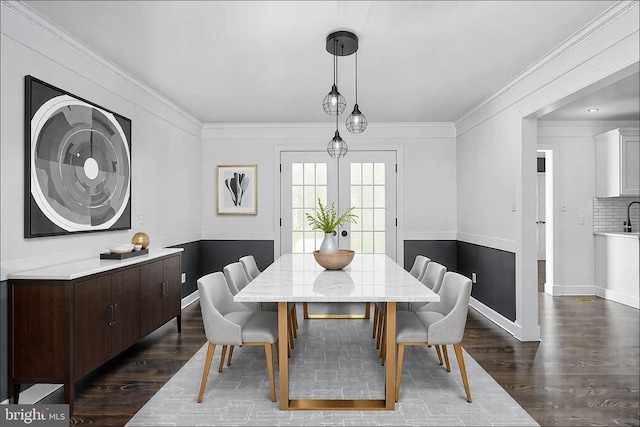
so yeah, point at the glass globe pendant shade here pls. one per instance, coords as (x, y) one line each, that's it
(337, 146)
(356, 122)
(334, 103)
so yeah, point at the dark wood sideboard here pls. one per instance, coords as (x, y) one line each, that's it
(60, 330)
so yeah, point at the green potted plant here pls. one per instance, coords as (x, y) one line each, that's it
(327, 219)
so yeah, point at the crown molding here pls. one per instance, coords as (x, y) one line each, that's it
(601, 21)
(39, 21)
(315, 131)
(413, 125)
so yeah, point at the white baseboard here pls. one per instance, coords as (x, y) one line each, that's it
(37, 392)
(618, 297)
(560, 290)
(190, 299)
(506, 324)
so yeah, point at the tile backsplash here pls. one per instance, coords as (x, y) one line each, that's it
(610, 212)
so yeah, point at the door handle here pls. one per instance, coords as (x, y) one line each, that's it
(165, 289)
(115, 313)
(110, 315)
(344, 233)
(541, 222)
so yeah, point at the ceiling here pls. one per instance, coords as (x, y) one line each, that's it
(618, 101)
(265, 61)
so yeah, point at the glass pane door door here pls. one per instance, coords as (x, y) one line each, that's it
(368, 182)
(364, 179)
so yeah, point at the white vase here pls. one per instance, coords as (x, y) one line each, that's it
(329, 245)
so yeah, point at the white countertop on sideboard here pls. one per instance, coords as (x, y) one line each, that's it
(86, 267)
(618, 234)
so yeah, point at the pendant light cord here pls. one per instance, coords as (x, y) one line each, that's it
(356, 77)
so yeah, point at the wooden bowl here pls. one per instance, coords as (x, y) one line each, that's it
(334, 261)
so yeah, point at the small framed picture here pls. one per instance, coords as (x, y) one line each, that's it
(237, 189)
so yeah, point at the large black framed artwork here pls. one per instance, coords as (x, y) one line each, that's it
(77, 164)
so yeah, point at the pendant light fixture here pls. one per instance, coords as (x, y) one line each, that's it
(356, 122)
(337, 146)
(334, 103)
(342, 43)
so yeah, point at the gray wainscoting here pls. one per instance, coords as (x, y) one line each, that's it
(495, 269)
(4, 333)
(440, 251)
(215, 254)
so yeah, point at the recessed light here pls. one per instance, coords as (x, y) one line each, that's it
(593, 110)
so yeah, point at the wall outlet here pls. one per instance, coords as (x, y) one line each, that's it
(473, 277)
(140, 218)
(581, 220)
(513, 206)
(184, 278)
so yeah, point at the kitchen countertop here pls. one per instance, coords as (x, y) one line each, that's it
(617, 234)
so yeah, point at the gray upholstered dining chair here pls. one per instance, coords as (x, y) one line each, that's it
(230, 323)
(432, 279)
(417, 270)
(237, 279)
(419, 265)
(250, 266)
(442, 324)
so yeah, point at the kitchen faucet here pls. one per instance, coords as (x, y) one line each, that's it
(627, 225)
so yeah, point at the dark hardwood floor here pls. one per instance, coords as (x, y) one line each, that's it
(584, 372)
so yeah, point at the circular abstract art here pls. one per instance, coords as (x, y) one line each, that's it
(80, 165)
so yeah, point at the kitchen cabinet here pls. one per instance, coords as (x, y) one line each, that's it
(618, 163)
(68, 319)
(617, 267)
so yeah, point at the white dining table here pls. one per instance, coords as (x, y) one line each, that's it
(369, 278)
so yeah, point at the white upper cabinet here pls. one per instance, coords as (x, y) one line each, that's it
(618, 163)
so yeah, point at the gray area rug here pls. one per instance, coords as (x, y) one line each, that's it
(332, 359)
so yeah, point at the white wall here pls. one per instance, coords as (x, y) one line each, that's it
(497, 147)
(426, 174)
(574, 187)
(165, 147)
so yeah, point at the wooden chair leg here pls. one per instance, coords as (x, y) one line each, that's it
(463, 370)
(375, 320)
(224, 353)
(446, 358)
(230, 354)
(290, 334)
(439, 355)
(383, 344)
(205, 373)
(294, 320)
(380, 328)
(277, 353)
(399, 369)
(272, 383)
(305, 310)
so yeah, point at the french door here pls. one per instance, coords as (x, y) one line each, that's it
(363, 179)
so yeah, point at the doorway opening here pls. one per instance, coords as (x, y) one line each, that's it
(544, 220)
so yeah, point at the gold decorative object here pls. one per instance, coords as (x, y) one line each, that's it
(334, 261)
(141, 239)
